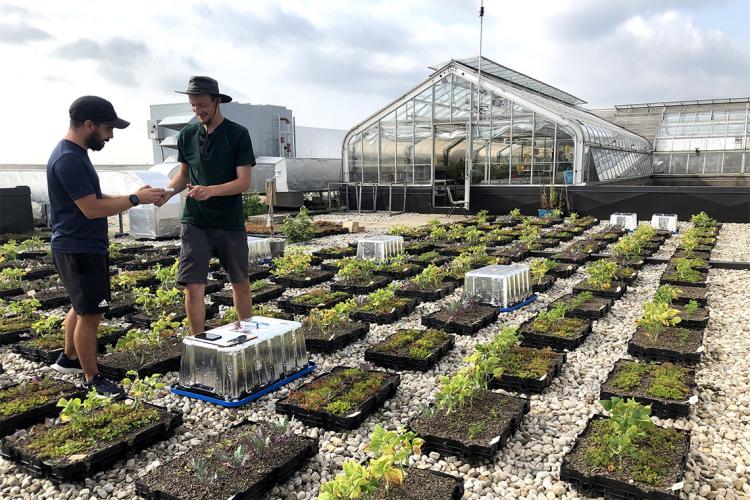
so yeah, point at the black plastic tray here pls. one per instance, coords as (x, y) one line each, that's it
(319, 345)
(588, 314)
(534, 339)
(329, 421)
(401, 275)
(547, 282)
(316, 278)
(388, 360)
(618, 290)
(421, 296)
(383, 319)
(49, 356)
(326, 253)
(529, 385)
(661, 354)
(462, 329)
(288, 305)
(376, 283)
(11, 423)
(270, 292)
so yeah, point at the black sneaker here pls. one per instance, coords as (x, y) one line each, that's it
(66, 365)
(104, 388)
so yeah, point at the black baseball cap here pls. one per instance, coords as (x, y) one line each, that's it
(96, 109)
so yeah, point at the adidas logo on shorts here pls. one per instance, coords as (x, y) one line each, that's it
(103, 303)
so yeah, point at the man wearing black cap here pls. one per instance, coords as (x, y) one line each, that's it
(79, 233)
(216, 157)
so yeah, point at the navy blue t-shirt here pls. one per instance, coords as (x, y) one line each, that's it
(70, 175)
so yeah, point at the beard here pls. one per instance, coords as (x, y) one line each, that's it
(94, 142)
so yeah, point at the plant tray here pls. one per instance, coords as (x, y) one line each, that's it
(327, 253)
(31, 255)
(255, 272)
(696, 255)
(141, 320)
(407, 272)
(660, 407)
(546, 283)
(333, 422)
(487, 315)
(564, 270)
(133, 249)
(147, 486)
(383, 319)
(571, 257)
(37, 273)
(418, 248)
(354, 332)
(11, 292)
(11, 423)
(268, 293)
(636, 263)
(50, 298)
(137, 265)
(641, 347)
(449, 444)
(424, 296)
(601, 485)
(103, 458)
(533, 338)
(512, 253)
(438, 261)
(617, 289)
(699, 319)
(166, 360)
(594, 308)
(390, 360)
(688, 293)
(452, 249)
(376, 283)
(530, 385)
(49, 356)
(664, 280)
(313, 277)
(118, 309)
(295, 308)
(423, 480)
(211, 397)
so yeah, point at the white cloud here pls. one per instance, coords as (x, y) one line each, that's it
(333, 62)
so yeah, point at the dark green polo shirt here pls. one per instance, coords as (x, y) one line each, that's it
(213, 159)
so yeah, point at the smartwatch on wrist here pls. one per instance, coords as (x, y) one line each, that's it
(134, 200)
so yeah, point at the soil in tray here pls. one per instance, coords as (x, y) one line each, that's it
(10, 291)
(664, 386)
(418, 248)
(696, 319)
(361, 286)
(255, 471)
(341, 398)
(544, 284)
(335, 252)
(145, 361)
(411, 349)
(465, 319)
(268, 292)
(11, 328)
(46, 348)
(615, 290)
(396, 308)
(25, 404)
(592, 308)
(338, 335)
(671, 278)
(673, 344)
(68, 452)
(560, 333)
(423, 483)
(437, 292)
(688, 293)
(320, 299)
(656, 464)
(310, 277)
(526, 369)
(51, 297)
(399, 271)
(482, 424)
(429, 258)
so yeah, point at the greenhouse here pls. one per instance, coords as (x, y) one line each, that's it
(511, 130)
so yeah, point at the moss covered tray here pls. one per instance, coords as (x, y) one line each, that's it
(411, 349)
(22, 405)
(528, 370)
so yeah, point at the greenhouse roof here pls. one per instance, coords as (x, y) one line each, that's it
(518, 79)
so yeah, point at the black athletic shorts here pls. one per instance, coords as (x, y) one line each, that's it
(86, 279)
(200, 244)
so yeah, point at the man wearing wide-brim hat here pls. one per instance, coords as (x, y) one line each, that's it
(216, 157)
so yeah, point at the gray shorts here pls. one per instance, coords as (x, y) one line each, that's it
(200, 244)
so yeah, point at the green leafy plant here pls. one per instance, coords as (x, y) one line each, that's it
(666, 294)
(684, 270)
(430, 278)
(20, 309)
(702, 220)
(656, 317)
(298, 228)
(689, 243)
(325, 320)
(390, 450)
(691, 307)
(515, 214)
(399, 230)
(167, 276)
(529, 233)
(540, 267)
(47, 325)
(627, 248)
(11, 276)
(627, 421)
(141, 389)
(34, 244)
(78, 413)
(8, 251)
(294, 261)
(357, 270)
(252, 205)
(601, 273)
(481, 217)
(162, 300)
(578, 300)
(258, 285)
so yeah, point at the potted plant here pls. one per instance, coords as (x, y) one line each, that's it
(467, 420)
(294, 270)
(244, 461)
(298, 228)
(692, 315)
(10, 282)
(684, 271)
(628, 252)
(411, 349)
(527, 369)
(541, 277)
(626, 455)
(340, 399)
(585, 305)
(327, 330)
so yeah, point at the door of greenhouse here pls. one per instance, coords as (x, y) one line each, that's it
(449, 159)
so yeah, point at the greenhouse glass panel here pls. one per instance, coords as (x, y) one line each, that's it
(671, 117)
(423, 107)
(737, 114)
(422, 154)
(461, 100)
(698, 143)
(712, 163)
(388, 148)
(678, 164)
(354, 157)
(442, 107)
(370, 154)
(521, 152)
(695, 164)
(661, 164)
(680, 144)
(720, 115)
(564, 153)
(404, 142)
(718, 129)
(663, 144)
(480, 154)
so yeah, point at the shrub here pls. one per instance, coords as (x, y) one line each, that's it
(657, 316)
(251, 205)
(601, 273)
(295, 260)
(540, 267)
(299, 228)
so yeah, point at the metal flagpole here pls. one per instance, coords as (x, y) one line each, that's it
(467, 173)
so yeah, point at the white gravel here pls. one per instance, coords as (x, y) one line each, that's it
(529, 466)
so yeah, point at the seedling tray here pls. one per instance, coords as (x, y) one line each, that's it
(415, 481)
(699, 319)
(255, 272)
(424, 296)
(268, 293)
(474, 453)
(530, 385)
(11, 292)
(660, 407)
(418, 248)
(118, 309)
(49, 298)
(512, 253)
(640, 348)
(288, 305)
(103, 458)
(488, 316)
(137, 265)
(141, 320)
(438, 261)
(255, 491)
(701, 283)
(383, 319)
(326, 253)
(361, 288)
(545, 284)
(532, 338)
(37, 273)
(389, 360)
(11, 423)
(601, 485)
(688, 293)
(333, 422)
(404, 273)
(334, 343)
(595, 308)
(168, 360)
(313, 277)
(571, 257)
(564, 270)
(615, 291)
(49, 356)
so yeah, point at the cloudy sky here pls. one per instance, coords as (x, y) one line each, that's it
(334, 62)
